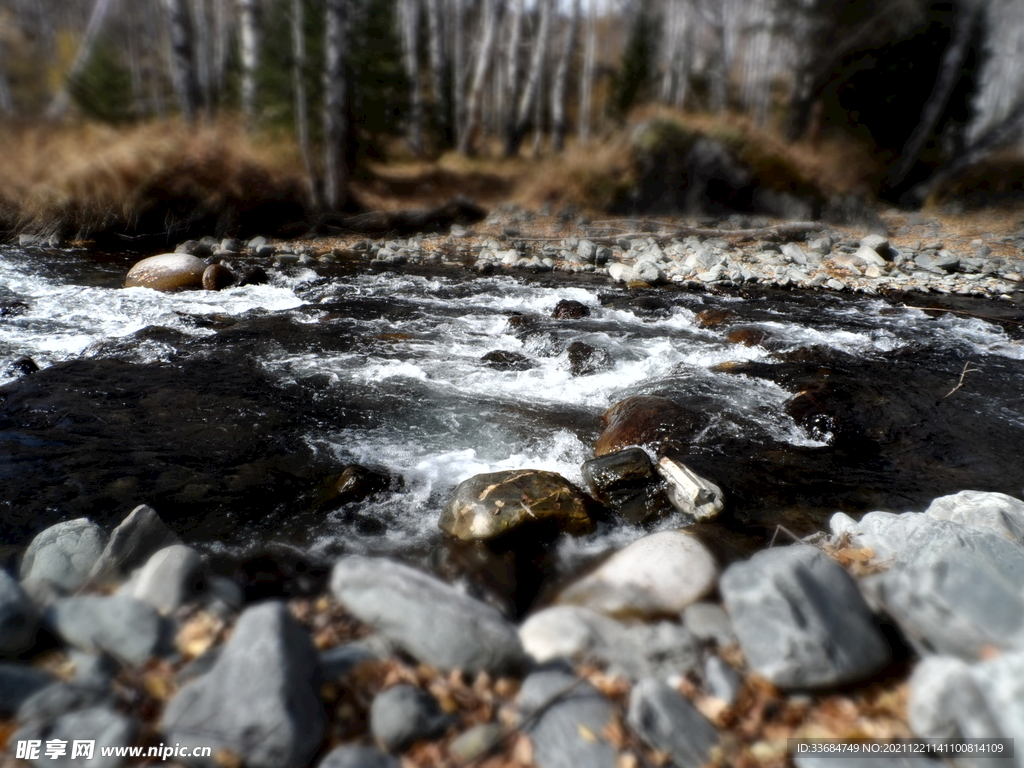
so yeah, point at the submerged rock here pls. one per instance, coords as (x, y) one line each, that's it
(430, 620)
(658, 575)
(585, 359)
(645, 420)
(503, 360)
(567, 309)
(167, 272)
(490, 505)
(626, 482)
(801, 619)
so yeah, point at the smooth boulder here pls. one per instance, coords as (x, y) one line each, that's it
(402, 715)
(430, 620)
(996, 512)
(64, 554)
(260, 700)
(658, 575)
(167, 272)
(127, 629)
(490, 505)
(645, 420)
(801, 619)
(570, 721)
(669, 723)
(131, 543)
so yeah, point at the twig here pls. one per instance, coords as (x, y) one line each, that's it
(786, 531)
(963, 376)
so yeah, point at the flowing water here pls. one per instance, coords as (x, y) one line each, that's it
(232, 412)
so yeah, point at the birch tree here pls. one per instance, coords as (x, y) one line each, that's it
(531, 90)
(298, 24)
(335, 123)
(489, 21)
(586, 88)
(511, 87)
(409, 19)
(439, 81)
(458, 68)
(560, 87)
(62, 100)
(182, 57)
(249, 37)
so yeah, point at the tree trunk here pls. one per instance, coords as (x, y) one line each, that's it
(458, 69)
(560, 88)
(335, 108)
(531, 90)
(439, 81)
(6, 102)
(511, 89)
(587, 75)
(201, 25)
(62, 100)
(250, 40)
(491, 17)
(301, 106)
(409, 16)
(221, 48)
(183, 71)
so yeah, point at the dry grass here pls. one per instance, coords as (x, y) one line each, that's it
(150, 179)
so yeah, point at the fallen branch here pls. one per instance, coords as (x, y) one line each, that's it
(963, 376)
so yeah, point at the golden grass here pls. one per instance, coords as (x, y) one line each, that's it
(154, 178)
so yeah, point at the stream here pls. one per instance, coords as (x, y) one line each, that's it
(233, 412)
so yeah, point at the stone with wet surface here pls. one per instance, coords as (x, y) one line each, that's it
(167, 272)
(490, 505)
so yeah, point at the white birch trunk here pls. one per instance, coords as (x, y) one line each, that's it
(62, 100)
(221, 47)
(439, 70)
(511, 89)
(249, 36)
(298, 9)
(183, 71)
(485, 54)
(534, 78)
(409, 19)
(6, 102)
(560, 87)
(458, 70)
(587, 75)
(335, 122)
(201, 25)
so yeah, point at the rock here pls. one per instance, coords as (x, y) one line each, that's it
(261, 699)
(982, 510)
(169, 578)
(402, 715)
(658, 575)
(567, 309)
(167, 272)
(794, 252)
(870, 257)
(131, 544)
(490, 505)
(338, 661)
(635, 650)
(18, 682)
(357, 757)
(433, 622)
(645, 420)
(690, 493)
(626, 482)
(709, 622)
(723, 682)
(648, 272)
(355, 483)
(951, 699)
(252, 276)
(879, 244)
(127, 629)
(621, 273)
(712, 318)
(18, 618)
(951, 599)
(29, 241)
(569, 731)
(64, 554)
(801, 620)
(476, 742)
(104, 726)
(586, 360)
(217, 276)
(92, 670)
(22, 366)
(256, 243)
(58, 699)
(748, 337)
(503, 360)
(189, 247)
(668, 722)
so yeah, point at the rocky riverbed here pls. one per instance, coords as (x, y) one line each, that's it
(680, 591)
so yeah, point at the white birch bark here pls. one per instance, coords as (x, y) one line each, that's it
(62, 100)
(201, 25)
(586, 108)
(251, 43)
(298, 19)
(531, 91)
(335, 123)
(511, 88)
(458, 70)
(409, 19)
(439, 83)
(560, 86)
(182, 58)
(489, 21)
(221, 47)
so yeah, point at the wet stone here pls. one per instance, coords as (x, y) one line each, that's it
(646, 420)
(22, 366)
(626, 482)
(586, 360)
(567, 309)
(503, 360)
(217, 277)
(167, 272)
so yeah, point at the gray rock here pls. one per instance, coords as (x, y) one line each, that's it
(18, 682)
(587, 251)
(869, 256)
(402, 715)
(801, 620)
(257, 242)
(100, 724)
(794, 252)
(648, 272)
(358, 757)
(130, 631)
(137, 537)
(18, 618)
(626, 482)
(58, 699)
(433, 622)
(477, 741)
(668, 722)
(621, 273)
(29, 241)
(723, 682)
(341, 659)
(951, 599)
(982, 510)
(657, 575)
(878, 244)
(261, 698)
(571, 718)
(634, 650)
(709, 622)
(64, 554)
(92, 670)
(870, 761)
(169, 578)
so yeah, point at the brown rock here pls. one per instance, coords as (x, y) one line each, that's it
(748, 337)
(167, 272)
(217, 276)
(645, 420)
(490, 505)
(712, 318)
(567, 309)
